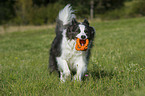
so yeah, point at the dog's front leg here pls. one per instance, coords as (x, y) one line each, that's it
(63, 68)
(81, 68)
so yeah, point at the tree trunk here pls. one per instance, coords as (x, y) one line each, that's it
(92, 9)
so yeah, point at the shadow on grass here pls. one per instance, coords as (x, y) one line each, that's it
(99, 74)
(95, 74)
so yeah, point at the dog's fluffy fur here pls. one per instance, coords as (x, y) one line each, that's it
(64, 58)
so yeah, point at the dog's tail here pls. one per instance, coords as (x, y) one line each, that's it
(66, 15)
(64, 18)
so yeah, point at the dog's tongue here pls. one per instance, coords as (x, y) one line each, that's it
(82, 42)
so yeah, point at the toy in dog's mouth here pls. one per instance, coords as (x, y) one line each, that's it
(81, 45)
(82, 42)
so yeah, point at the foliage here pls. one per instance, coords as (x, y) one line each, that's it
(116, 67)
(52, 11)
(40, 12)
(102, 6)
(115, 14)
(131, 9)
(82, 7)
(138, 8)
(6, 10)
(27, 13)
(23, 9)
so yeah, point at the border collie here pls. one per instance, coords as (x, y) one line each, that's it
(64, 58)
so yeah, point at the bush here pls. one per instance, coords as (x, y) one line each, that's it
(52, 12)
(44, 14)
(6, 10)
(131, 9)
(103, 6)
(28, 13)
(115, 14)
(138, 8)
(23, 9)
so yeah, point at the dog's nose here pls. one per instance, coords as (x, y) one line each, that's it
(83, 37)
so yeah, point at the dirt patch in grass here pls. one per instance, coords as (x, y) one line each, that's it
(8, 29)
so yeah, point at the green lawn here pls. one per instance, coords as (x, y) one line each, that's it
(116, 67)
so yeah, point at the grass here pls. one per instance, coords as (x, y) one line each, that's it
(116, 67)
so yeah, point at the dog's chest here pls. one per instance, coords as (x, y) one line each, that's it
(68, 49)
(69, 53)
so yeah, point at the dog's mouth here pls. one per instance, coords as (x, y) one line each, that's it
(82, 42)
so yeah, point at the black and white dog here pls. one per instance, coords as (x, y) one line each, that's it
(64, 58)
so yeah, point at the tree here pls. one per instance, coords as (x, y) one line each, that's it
(6, 10)
(23, 9)
(101, 6)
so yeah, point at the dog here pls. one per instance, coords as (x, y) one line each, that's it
(64, 58)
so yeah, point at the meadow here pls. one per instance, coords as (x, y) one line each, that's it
(116, 67)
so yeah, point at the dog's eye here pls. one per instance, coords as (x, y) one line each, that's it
(79, 30)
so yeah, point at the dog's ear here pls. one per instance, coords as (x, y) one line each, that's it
(74, 22)
(86, 22)
(92, 32)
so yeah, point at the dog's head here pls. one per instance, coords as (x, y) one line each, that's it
(80, 30)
